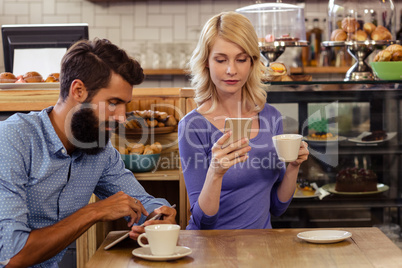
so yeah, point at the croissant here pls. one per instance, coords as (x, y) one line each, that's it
(394, 48)
(397, 56)
(383, 55)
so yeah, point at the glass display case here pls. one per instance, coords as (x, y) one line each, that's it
(349, 111)
(361, 27)
(278, 25)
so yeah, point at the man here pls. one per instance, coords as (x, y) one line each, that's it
(52, 161)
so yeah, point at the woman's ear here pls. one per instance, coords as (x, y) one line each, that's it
(78, 91)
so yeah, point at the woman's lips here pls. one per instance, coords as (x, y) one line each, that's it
(231, 82)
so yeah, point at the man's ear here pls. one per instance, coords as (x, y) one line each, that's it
(78, 91)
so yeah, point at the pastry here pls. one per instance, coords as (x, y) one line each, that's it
(32, 77)
(381, 33)
(148, 150)
(397, 56)
(323, 136)
(359, 35)
(277, 69)
(369, 27)
(356, 180)
(7, 78)
(383, 55)
(394, 48)
(305, 188)
(52, 78)
(377, 135)
(396, 52)
(156, 147)
(171, 121)
(350, 25)
(338, 35)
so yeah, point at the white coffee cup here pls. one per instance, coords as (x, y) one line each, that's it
(287, 146)
(162, 238)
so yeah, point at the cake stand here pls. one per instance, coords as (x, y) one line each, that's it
(359, 50)
(272, 50)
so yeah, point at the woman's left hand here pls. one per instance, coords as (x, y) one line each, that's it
(303, 154)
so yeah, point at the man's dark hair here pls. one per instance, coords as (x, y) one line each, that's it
(93, 63)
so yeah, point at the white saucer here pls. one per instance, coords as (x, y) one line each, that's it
(324, 236)
(145, 253)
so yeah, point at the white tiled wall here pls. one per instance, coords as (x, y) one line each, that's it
(135, 25)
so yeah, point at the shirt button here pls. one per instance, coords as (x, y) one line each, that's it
(63, 151)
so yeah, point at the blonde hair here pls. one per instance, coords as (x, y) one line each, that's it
(235, 28)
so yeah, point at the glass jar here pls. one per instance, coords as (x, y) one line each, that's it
(360, 20)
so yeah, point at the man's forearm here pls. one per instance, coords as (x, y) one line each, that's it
(44, 243)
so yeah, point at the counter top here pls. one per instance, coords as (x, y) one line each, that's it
(368, 247)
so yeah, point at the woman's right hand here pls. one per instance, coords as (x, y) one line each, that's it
(224, 158)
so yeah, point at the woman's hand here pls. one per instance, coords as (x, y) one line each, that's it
(303, 154)
(224, 158)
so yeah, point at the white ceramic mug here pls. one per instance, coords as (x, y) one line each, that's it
(287, 146)
(162, 238)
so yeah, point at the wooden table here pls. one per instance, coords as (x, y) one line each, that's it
(368, 247)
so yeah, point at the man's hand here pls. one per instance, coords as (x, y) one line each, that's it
(120, 205)
(169, 217)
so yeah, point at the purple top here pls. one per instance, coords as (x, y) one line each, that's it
(249, 189)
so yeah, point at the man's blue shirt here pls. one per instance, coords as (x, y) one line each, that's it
(40, 184)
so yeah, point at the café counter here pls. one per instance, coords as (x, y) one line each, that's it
(367, 247)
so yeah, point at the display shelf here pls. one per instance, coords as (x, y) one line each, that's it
(293, 70)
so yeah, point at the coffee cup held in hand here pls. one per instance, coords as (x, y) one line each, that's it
(162, 238)
(287, 146)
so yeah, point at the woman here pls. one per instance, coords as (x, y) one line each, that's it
(239, 186)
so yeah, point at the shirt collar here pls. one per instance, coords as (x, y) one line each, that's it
(52, 139)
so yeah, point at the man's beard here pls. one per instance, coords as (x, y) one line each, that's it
(90, 136)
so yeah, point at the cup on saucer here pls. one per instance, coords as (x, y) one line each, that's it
(162, 239)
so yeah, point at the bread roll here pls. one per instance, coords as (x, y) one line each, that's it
(135, 148)
(148, 150)
(383, 55)
(381, 33)
(338, 35)
(152, 123)
(7, 78)
(156, 147)
(350, 25)
(369, 27)
(171, 121)
(359, 35)
(32, 77)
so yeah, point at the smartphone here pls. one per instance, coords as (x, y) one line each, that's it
(240, 127)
